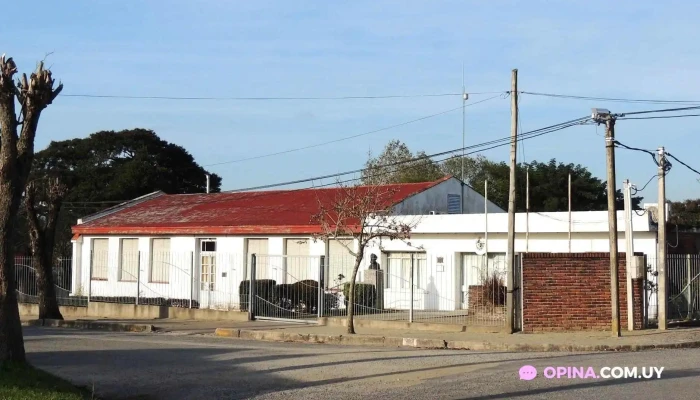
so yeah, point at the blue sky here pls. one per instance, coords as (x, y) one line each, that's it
(631, 49)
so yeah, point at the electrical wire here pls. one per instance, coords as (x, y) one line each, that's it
(662, 117)
(493, 143)
(622, 100)
(347, 137)
(653, 155)
(110, 96)
(624, 114)
(682, 163)
(645, 185)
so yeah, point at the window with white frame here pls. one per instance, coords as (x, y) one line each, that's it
(160, 260)
(207, 257)
(129, 260)
(100, 260)
(398, 270)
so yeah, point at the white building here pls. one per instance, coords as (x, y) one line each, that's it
(198, 247)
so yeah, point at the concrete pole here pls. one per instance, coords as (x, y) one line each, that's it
(629, 252)
(411, 283)
(527, 209)
(662, 299)
(612, 225)
(569, 212)
(510, 253)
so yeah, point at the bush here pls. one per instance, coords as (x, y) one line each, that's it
(264, 288)
(494, 290)
(300, 296)
(365, 294)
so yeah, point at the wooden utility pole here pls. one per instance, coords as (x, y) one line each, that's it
(510, 254)
(612, 224)
(662, 296)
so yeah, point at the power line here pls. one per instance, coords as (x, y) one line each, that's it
(622, 100)
(493, 143)
(645, 185)
(682, 163)
(111, 96)
(653, 155)
(663, 117)
(657, 111)
(348, 137)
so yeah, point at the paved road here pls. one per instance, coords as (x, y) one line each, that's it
(163, 366)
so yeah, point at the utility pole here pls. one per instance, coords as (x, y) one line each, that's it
(527, 209)
(662, 297)
(629, 250)
(465, 96)
(510, 253)
(602, 115)
(569, 212)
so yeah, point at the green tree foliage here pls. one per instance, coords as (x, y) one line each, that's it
(385, 168)
(686, 214)
(549, 190)
(108, 167)
(548, 181)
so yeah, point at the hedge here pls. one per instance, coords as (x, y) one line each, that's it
(264, 288)
(365, 294)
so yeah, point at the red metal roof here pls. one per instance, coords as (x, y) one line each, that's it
(264, 212)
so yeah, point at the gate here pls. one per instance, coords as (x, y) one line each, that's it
(683, 285)
(291, 291)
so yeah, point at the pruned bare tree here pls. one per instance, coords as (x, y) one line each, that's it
(17, 133)
(43, 200)
(364, 213)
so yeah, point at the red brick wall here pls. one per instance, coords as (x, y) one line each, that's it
(564, 291)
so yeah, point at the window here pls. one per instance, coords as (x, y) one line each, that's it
(207, 253)
(454, 204)
(100, 259)
(398, 270)
(160, 260)
(129, 260)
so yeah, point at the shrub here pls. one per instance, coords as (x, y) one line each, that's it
(365, 294)
(494, 290)
(300, 296)
(264, 288)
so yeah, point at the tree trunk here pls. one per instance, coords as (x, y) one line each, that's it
(42, 263)
(11, 340)
(351, 294)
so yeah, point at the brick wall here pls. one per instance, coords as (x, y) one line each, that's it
(564, 291)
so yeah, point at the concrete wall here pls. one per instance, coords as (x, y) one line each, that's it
(572, 292)
(130, 311)
(435, 199)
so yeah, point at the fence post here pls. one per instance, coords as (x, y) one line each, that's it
(251, 290)
(410, 310)
(90, 276)
(138, 278)
(191, 277)
(690, 287)
(321, 292)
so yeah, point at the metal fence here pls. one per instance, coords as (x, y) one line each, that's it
(409, 287)
(27, 287)
(682, 285)
(405, 286)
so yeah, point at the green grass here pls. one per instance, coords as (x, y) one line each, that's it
(24, 382)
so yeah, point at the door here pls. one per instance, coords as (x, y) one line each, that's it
(262, 268)
(340, 263)
(207, 271)
(297, 266)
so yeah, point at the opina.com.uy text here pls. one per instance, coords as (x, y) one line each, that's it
(528, 372)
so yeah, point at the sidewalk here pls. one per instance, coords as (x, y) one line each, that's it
(386, 337)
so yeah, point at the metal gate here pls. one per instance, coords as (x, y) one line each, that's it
(291, 291)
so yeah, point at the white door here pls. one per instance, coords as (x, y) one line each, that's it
(297, 261)
(340, 263)
(262, 265)
(207, 271)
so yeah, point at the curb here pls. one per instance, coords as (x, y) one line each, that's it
(97, 325)
(420, 343)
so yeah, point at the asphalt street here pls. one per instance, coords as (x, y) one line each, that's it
(163, 366)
